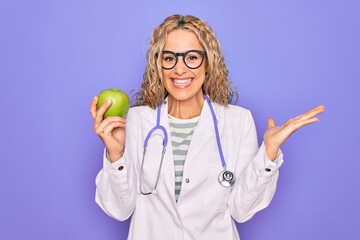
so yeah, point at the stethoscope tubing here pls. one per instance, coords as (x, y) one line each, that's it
(226, 177)
(157, 127)
(165, 141)
(216, 132)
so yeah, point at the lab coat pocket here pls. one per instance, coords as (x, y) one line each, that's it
(216, 196)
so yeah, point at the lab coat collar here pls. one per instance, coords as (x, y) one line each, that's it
(203, 132)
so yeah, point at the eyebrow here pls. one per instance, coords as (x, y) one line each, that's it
(193, 49)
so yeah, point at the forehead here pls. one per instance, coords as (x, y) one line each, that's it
(182, 40)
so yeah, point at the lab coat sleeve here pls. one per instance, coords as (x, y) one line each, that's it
(116, 183)
(256, 175)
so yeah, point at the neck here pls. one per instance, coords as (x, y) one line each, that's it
(185, 109)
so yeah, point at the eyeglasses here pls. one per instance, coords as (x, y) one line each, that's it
(192, 59)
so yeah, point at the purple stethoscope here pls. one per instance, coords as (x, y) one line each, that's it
(226, 177)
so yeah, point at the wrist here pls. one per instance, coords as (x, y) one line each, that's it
(114, 156)
(271, 152)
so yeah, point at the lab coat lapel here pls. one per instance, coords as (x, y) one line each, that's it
(204, 130)
(168, 157)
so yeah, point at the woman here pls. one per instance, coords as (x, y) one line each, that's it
(181, 195)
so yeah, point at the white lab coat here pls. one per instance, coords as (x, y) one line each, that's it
(205, 209)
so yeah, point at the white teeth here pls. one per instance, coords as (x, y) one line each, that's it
(182, 81)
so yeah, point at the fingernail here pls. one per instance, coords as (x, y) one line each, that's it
(109, 101)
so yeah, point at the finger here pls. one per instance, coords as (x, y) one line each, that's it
(116, 118)
(93, 107)
(100, 112)
(311, 113)
(271, 123)
(303, 123)
(103, 130)
(111, 126)
(316, 110)
(110, 119)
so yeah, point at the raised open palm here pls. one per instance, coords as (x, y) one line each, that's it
(277, 135)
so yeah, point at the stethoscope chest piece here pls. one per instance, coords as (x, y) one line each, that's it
(226, 178)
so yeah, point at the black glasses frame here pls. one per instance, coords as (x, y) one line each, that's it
(183, 54)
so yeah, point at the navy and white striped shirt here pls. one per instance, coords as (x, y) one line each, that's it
(181, 133)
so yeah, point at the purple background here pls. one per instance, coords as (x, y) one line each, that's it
(284, 56)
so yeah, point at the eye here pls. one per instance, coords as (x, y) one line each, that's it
(192, 58)
(169, 59)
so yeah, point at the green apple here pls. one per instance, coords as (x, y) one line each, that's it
(120, 102)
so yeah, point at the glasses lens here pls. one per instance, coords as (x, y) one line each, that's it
(193, 59)
(168, 60)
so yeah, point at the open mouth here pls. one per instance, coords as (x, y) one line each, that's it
(182, 83)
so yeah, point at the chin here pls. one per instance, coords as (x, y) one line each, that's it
(184, 96)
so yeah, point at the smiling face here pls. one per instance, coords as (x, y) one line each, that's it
(181, 82)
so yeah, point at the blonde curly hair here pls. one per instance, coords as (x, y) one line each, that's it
(217, 84)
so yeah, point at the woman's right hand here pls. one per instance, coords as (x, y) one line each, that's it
(111, 130)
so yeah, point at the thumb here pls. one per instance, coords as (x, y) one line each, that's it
(271, 122)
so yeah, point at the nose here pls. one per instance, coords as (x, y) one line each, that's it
(180, 67)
